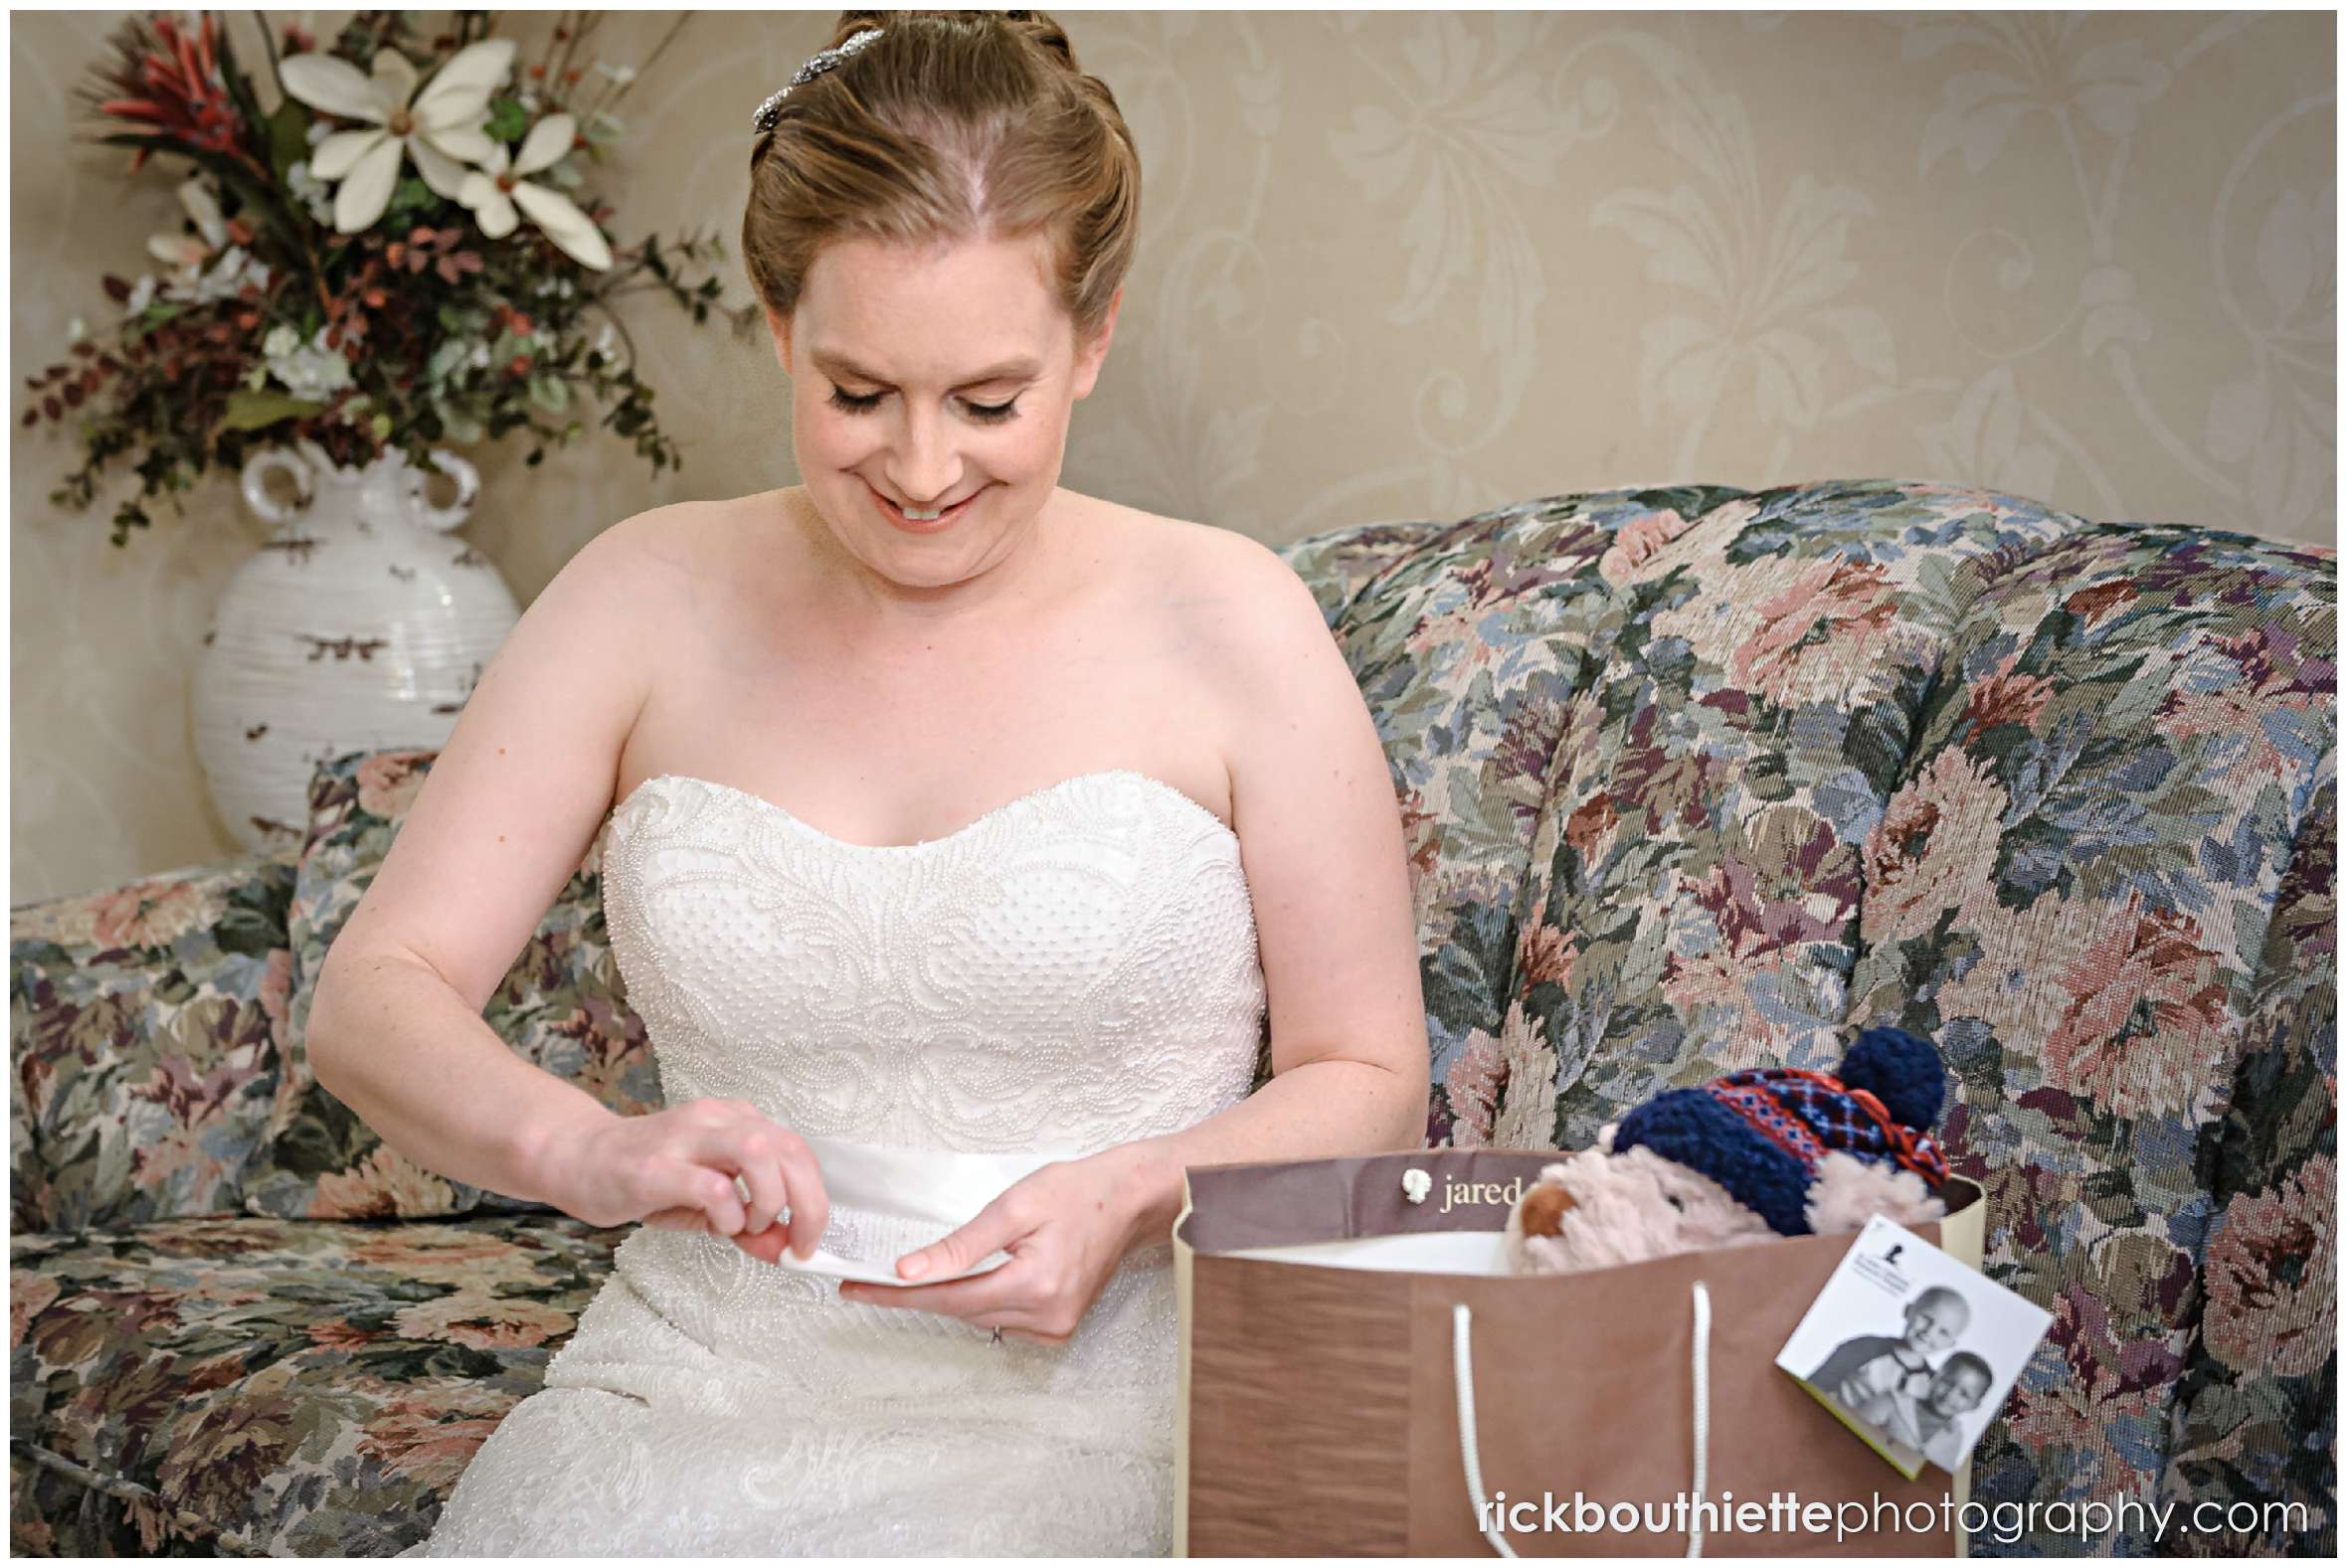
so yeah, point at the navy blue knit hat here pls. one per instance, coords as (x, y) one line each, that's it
(1761, 1132)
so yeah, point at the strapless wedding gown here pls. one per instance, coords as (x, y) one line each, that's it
(1075, 970)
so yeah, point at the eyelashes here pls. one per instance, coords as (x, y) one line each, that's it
(984, 412)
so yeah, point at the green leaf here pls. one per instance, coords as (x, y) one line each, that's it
(447, 359)
(233, 79)
(508, 120)
(462, 426)
(550, 393)
(410, 195)
(289, 135)
(254, 411)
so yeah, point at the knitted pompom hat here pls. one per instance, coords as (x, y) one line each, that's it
(1760, 1134)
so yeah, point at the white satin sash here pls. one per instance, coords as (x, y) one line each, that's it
(937, 1190)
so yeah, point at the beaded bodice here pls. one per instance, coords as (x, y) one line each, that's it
(1075, 968)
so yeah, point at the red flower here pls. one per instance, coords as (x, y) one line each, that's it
(169, 82)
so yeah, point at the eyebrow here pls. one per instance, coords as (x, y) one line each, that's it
(839, 368)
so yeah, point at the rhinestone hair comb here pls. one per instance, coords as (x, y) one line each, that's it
(822, 61)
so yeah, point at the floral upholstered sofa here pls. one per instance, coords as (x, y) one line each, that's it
(1693, 779)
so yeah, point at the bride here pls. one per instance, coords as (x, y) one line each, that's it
(970, 834)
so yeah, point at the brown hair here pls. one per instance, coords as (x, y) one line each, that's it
(951, 126)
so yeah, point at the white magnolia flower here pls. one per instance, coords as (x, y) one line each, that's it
(186, 253)
(307, 370)
(497, 188)
(440, 127)
(204, 266)
(142, 294)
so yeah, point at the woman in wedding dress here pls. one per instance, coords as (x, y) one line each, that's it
(1083, 805)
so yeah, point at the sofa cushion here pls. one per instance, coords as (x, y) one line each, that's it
(1469, 640)
(1875, 752)
(2073, 886)
(143, 1023)
(562, 1006)
(242, 1385)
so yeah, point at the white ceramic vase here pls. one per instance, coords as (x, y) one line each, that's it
(361, 623)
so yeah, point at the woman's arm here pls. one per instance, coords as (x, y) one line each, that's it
(423, 1069)
(512, 801)
(502, 822)
(1328, 873)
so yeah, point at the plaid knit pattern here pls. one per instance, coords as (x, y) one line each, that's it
(1808, 1115)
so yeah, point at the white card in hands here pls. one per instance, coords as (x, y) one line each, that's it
(826, 1261)
(932, 1193)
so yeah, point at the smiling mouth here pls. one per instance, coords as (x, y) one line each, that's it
(947, 515)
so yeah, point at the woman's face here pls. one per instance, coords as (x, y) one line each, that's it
(932, 379)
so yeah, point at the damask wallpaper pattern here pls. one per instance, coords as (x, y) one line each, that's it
(1394, 265)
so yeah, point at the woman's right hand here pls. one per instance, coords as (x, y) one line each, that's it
(675, 1169)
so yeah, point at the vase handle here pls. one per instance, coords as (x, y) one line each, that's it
(258, 469)
(453, 515)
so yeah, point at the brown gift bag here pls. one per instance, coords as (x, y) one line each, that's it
(1322, 1343)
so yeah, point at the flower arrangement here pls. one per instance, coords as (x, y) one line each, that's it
(401, 254)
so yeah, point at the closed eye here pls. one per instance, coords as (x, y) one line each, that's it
(1672, 1199)
(984, 412)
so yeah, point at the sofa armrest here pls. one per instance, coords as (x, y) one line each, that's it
(2254, 1412)
(143, 1042)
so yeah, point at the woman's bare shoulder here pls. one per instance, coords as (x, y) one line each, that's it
(677, 555)
(1198, 556)
(1216, 574)
(672, 531)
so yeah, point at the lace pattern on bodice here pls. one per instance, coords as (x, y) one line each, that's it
(1075, 968)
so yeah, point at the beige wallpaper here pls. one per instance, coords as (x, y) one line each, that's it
(1396, 265)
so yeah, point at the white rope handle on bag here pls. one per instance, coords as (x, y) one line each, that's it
(1462, 1374)
(1700, 1359)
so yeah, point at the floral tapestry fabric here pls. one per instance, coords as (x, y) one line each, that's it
(243, 1386)
(562, 1006)
(142, 1043)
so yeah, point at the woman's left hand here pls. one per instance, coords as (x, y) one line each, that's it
(1066, 1226)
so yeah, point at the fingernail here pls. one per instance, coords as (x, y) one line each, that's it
(915, 1267)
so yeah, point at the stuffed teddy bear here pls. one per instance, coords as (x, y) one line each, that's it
(1764, 1152)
